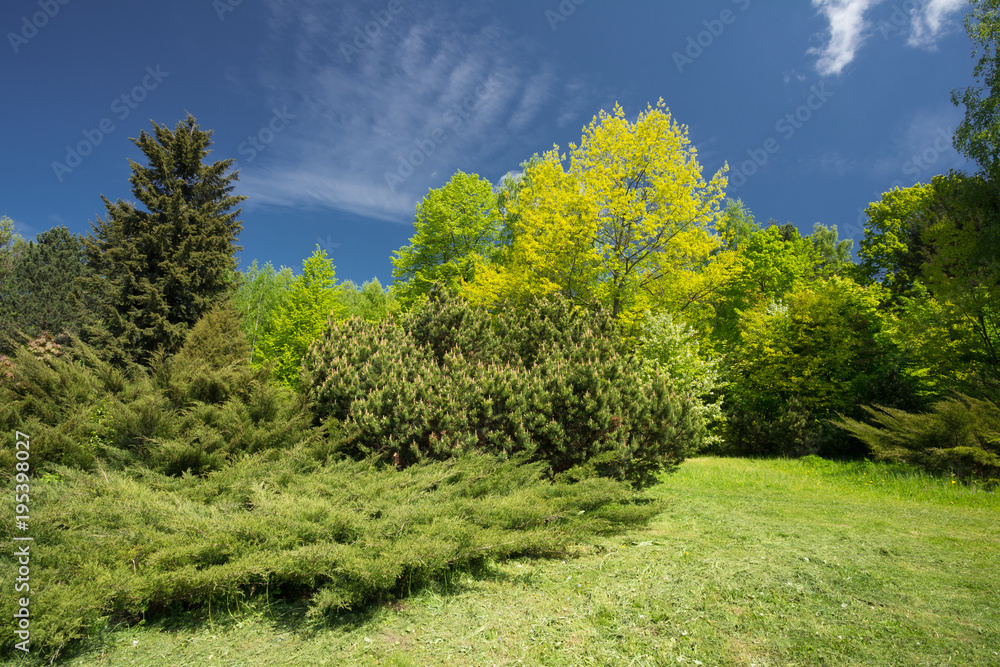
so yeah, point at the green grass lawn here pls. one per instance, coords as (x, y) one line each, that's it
(753, 563)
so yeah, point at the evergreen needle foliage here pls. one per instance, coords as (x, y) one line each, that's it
(162, 268)
(193, 412)
(135, 544)
(545, 380)
(959, 436)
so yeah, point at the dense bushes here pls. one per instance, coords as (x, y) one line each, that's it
(543, 380)
(192, 412)
(824, 350)
(269, 512)
(344, 535)
(959, 436)
(671, 349)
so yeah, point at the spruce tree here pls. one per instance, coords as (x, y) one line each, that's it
(42, 292)
(162, 268)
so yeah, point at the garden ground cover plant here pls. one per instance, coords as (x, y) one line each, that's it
(765, 563)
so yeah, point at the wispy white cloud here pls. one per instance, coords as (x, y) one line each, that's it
(851, 23)
(384, 110)
(847, 28)
(832, 163)
(931, 21)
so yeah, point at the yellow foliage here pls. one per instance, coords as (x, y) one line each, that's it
(627, 224)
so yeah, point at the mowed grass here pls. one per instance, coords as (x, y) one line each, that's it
(753, 563)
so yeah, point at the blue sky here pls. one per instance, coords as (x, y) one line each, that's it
(341, 115)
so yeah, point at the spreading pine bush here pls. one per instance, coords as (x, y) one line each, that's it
(134, 544)
(959, 436)
(192, 412)
(548, 381)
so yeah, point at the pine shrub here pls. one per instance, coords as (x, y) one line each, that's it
(545, 381)
(959, 436)
(193, 412)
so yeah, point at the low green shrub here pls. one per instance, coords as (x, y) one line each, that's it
(192, 412)
(117, 547)
(959, 436)
(546, 381)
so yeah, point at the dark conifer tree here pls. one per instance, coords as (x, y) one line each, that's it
(160, 269)
(43, 292)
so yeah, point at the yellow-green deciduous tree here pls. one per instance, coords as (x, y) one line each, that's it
(627, 224)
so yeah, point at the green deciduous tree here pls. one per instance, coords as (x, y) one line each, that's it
(163, 267)
(962, 266)
(311, 300)
(769, 263)
(892, 251)
(834, 253)
(671, 349)
(457, 226)
(943, 236)
(371, 302)
(822, 350)
(261, 292)
(8, 241)
(978, 135)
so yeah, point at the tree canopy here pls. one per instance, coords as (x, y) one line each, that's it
(626, 223)
(457, 226)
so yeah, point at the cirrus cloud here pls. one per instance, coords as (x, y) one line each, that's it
(850, 24)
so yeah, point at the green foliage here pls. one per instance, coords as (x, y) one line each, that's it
(546, 381)
(960, 436)
(133, 545)
(963, 266)
(824, 350)
(310, 301)
(671, 350)
(978, 135)
(770, 263)
(259, 296)
(42, 292)
(8, 242)
(935, 247)
(834, 253)
(625, 225)
(162, 268)
(736, 224)
(371, 302)
(457, 226)
(893, 249)
(196, 411)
